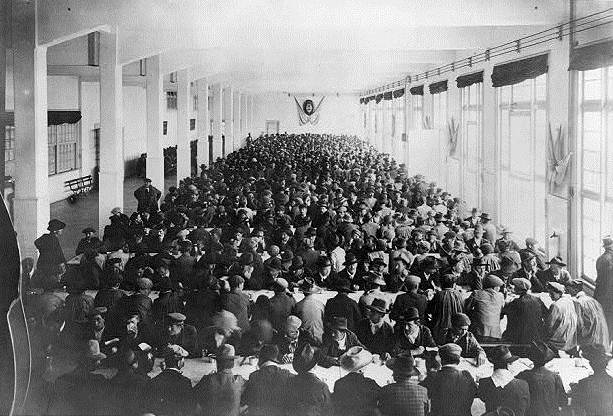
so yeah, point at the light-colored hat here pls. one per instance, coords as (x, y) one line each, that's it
(225, 320)
(355, 358)
(522, 284)
(293, 323)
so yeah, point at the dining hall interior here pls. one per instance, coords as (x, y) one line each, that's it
(306, 208)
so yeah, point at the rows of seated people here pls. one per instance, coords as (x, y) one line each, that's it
(298, 216)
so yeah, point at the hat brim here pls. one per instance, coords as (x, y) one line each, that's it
(390, 364)
(376, 309)
(96, 357)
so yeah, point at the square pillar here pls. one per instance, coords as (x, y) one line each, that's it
(183, 149)
(243, 121)
(31, 204)
(228, 114)
(203, 122)
(236, 107)
(155, 104)
(111, 129)
(489, 149)
(217, 117)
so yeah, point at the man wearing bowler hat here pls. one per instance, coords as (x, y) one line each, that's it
(410, 336)
(219, 394)
(374, 332)
(147, 197)
(355, 394)
(336, 341)
(451, 390)
(51, 257)
(404, 396)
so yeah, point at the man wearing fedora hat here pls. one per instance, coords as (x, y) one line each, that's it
(374, 332)
(81, 391)
(265, 391)
(343, 305)
(349, 271)
(603, 292)
(525, 315)
(450, 389)
(404, 396)
(306, 394)
(336, 341)
(528, 271)
(219, 394)
(310, 310)
(502, 389)
(355, 394)
(410, 336)
(50, 255)
(594, 394)
(556, 272)
(547, 394)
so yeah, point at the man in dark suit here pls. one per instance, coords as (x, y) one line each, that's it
(237, 302)
(147, 197)
(51, 257)
(265, 390)
(376, 334)
(350, 270)
(603, 292)
(89, 242)
(343, 306)
(354, 394)
(170, 392)
(281, 304)
(525, 315)
(411, 337)
(182, 268)
(411, 299)
(219, 394)
(128, 385)
(451, 390)
(176, 332)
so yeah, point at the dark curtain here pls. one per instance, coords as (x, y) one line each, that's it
(362, 100)
(378, 98)
(387, 95)
(464, 81)
(417, 90)
(438, 87)
(55, 118)
(518, 71)
(399, 93)
(594, 56)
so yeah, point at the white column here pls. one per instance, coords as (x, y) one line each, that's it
(217, 117)
(228, 113)
(236, 110)
(183, 147)
(155, 96)
(244, 129)
(111, 129)
(202, 122)
(31, 204)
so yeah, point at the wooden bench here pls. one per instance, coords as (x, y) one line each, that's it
(79, 186)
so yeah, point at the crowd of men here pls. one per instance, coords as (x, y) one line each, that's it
(297, 215)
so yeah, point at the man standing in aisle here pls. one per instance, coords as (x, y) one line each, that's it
(51, 257)
(147, 197)
(604, 281)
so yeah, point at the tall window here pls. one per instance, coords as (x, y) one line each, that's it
(64, 147)
(472, 115)
(9, 143)
(171, 100)
(439, 110)
(418, 111)
(522, 129)
(595, 136)
(399, 115)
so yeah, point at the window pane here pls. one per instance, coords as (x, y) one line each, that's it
(520, 139)
(522, 92)
(592, 90)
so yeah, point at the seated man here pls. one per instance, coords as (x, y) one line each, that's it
(376, 334)
(460, 335)
(289, 339)
(337, 340)
(175, 332)
(410, 337)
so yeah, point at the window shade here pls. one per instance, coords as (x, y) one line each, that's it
(362, 100)
(399, 93)
(55, 118)
(594, 56)
(518, 71)
(417, 90)
(464, 81)
(378, 98)
(387, 95)
(438, 87)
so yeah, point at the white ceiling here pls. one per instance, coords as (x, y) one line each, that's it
(300, 46)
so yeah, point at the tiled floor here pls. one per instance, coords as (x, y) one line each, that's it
(84, 212)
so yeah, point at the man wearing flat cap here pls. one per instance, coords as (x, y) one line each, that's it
(603, 292)
(170, 392)
(176, 332)
(147, 196)
(451, 390)
(525, 315)
(50, 255)
(355, 394)
(484, 307)
(89, 242)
